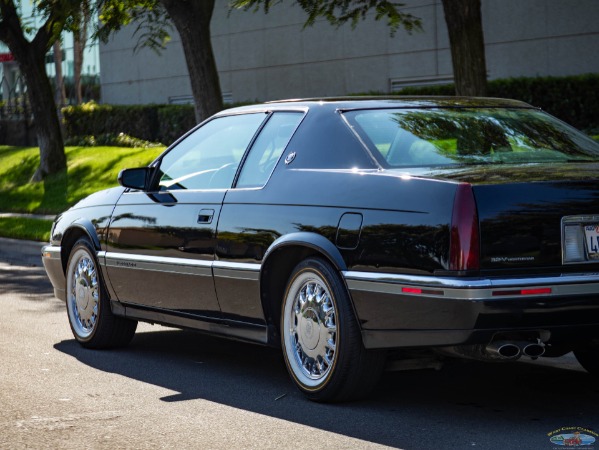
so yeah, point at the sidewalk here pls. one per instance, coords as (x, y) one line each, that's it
(17, 252)
(21, 253)
(29, 216)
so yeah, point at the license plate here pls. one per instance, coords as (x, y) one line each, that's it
(591, 233)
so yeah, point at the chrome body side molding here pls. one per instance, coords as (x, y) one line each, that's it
(473, 288)
(156, 263)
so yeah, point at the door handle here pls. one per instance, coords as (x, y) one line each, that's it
(206, 216)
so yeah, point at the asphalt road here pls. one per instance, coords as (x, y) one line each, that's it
(180, 389)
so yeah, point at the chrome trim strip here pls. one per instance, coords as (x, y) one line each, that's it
(235, 270)
(471, 289)
(252, 267)
(158, 263)
(225, 269)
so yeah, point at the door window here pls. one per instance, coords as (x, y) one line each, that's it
(267, 149)
(208, 158)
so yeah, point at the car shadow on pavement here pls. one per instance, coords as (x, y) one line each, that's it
(24, 280)
(466, 403)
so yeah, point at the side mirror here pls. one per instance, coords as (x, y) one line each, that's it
(136, 178)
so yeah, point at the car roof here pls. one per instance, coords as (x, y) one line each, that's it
(374, 102)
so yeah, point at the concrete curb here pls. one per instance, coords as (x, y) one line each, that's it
(28, 216)
(21, 253)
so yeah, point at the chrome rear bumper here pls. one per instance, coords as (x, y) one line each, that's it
(411, 311)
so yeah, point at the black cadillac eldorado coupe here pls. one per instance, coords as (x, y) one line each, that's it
(341, 228)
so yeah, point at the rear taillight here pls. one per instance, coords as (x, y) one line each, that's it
(465, 243)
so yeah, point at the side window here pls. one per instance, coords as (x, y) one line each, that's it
(209, 157)
(267, 149)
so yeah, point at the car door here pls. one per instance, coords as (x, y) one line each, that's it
(248, 224)
(161, 243)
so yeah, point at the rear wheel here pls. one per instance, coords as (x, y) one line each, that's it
(321, 339)
(92, 322)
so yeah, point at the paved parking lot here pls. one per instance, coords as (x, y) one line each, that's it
(180, 389)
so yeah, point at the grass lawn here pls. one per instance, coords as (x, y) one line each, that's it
(24, 228)
(90, 169)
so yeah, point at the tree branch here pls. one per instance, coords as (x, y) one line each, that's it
(11, 32)
(51, 29)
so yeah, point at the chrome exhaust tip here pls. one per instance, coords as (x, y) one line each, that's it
(534, 350)
(502, 349)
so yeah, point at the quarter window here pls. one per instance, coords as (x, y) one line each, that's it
(208, 158)
(267, 149)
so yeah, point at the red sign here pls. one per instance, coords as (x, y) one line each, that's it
(5, 57)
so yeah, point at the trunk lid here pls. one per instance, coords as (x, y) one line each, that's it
(523, 211)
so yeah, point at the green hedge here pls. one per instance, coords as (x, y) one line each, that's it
(173, 121)
(574, 99)
(153, 123)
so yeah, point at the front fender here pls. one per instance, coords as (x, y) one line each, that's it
(84, 226)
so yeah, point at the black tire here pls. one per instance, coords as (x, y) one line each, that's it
(588, 357)
(321, 338)
(88, 307)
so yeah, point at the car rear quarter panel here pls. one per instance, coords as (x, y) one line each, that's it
(405, 221)
(404, 229)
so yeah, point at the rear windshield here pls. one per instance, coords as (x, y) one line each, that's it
(465, 136)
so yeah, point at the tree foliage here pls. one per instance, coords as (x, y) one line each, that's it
(151, 20)
(338, 12)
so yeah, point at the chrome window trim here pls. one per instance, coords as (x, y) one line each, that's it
(472, 289)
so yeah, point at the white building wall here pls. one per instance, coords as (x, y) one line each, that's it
(266, 57)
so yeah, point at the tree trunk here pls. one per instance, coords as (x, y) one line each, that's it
(47, 126)
(61, 94)
(31, 58)
(78, 48)
(464, 25)
(192, 20)
(79, 43)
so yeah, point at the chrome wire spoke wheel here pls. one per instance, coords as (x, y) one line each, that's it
(83, 293)
(88, 303)
(310, 329)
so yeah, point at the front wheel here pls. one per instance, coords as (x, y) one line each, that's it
(321, 339)
(92, 322)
